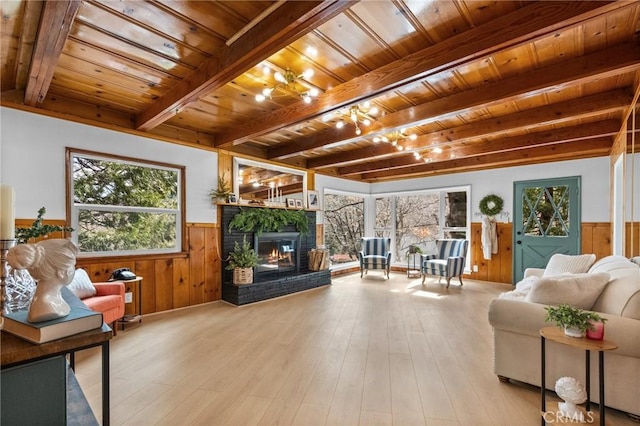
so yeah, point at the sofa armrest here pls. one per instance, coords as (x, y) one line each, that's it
(110, 288)
(533, 272)
(528, 318)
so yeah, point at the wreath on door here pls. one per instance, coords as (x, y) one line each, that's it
(491, 205)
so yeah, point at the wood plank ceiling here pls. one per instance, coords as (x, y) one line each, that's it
(457, 84)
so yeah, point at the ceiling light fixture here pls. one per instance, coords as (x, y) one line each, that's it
(395, 137)
(289, 82)
(361, 114)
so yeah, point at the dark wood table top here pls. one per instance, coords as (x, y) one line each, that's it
(17, 351)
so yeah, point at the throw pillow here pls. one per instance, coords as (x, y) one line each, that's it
(81, 285)
(567, 264)
(579, 290)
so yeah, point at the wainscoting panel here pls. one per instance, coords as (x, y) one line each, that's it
(596, 238)
(170, 281)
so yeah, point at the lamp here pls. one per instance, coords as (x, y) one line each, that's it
(290, 83)
(361, 114)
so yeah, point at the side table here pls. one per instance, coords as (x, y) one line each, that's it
(413, 269)
(556, 334)
(137, 315)
(16, 351)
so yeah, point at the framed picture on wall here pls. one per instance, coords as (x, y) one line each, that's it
(314, 201)
(299, 204)
(291, 203)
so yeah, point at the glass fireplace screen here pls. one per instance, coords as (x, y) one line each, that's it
(278, 252)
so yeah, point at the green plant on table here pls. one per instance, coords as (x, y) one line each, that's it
(568, 316)
(243, 256)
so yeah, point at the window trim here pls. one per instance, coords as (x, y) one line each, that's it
(72, 209)
(441, 191)
(369, 216)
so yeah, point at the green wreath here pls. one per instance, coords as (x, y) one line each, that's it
(491, 200)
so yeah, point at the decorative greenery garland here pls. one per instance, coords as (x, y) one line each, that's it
(495, 201)
(260, 220)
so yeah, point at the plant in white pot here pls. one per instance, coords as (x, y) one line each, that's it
(574, 321)
(242, 260)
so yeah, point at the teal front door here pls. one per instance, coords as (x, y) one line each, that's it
(546, 221)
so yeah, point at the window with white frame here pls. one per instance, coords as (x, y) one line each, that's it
(123, 206)
(419, 218)
(343, 226)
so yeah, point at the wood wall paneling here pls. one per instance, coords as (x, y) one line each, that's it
(498, 268)
(170, 282)
(596, 238)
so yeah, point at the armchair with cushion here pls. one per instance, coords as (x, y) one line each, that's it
(375, 254)
(448, 262)
(107, 298)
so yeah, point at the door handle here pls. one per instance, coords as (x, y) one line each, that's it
(518, 242)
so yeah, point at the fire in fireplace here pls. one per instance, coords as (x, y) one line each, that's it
(279, 252)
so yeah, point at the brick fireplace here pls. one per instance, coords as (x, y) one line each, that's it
(279, 274)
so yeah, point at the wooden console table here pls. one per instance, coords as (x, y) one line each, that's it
(16, 351)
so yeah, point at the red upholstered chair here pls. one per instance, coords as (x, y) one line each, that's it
(107, 298)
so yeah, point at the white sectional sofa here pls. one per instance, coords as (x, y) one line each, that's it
(516, 325)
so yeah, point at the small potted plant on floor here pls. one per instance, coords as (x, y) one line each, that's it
(242, 260)
(574, 321)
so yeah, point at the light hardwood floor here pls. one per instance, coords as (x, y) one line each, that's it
(359, 352)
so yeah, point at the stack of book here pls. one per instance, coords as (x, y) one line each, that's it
(79, 319)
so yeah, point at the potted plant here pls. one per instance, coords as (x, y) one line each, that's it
(242, 260)
(221, 194)
(575, 321)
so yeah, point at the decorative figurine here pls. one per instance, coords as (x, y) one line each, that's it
(573, 393)
(52, 264)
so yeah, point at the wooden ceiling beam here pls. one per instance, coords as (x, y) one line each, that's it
(564, 151)
(276, 31)
(568, 134)
(53, 30)
(588, 106)
(522, 25)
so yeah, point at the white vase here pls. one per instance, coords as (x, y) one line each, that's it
(573, 332)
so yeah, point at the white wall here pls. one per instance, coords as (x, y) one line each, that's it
(32, 160)
(594, 177)
(32, 149)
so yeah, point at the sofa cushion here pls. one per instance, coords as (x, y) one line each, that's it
(81, 285)
(568, 264)
(579, 290)
(622, 295)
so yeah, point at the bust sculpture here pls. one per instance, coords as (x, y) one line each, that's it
(52, 264)
(573, 393)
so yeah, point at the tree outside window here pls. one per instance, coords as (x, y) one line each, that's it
(125, 206)
(344, 226)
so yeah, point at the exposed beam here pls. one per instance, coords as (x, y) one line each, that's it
(558, 152)
(587, 106)
(567, 134)
(273, 33)
(55, 24)
(520, 26)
